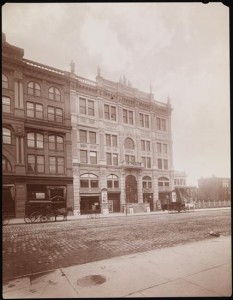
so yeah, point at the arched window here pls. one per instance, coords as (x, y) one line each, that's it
(56, 143)
(89, 180)
(112, 181)
(54, 93)
(129, 143)
(6, 166)
(35, 140)
(6, 135)
(163, 183)
(146, 182)
(33, 88)
(5, 83)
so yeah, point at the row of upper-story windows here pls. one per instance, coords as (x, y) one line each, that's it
(34, 89)
(36, 164)
(179, 181)
(89, 180)
(35, 110)
(87, 107)
(36, 140)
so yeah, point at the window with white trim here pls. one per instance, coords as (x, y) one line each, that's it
(35, 140)
(89, 180)
(54, 93)
(6, 104)
(109, 112)
(128, 116)
(112, 181)
(33, 88)
(6, 135)
(144, 120)
(5, 82)
(35, 163)
(86, 107)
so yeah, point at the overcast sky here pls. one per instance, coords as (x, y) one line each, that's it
(181, 49)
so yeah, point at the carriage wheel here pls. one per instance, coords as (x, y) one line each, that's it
(27, 219)
(50, 217)
(35, 216)
(43, 218)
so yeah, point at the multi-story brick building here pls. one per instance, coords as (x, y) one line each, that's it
(104, 146)
(36, 132)
(122, 146)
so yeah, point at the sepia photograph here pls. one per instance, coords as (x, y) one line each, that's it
(116, 178)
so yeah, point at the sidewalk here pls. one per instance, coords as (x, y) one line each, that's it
(112, 215)
(198, 269)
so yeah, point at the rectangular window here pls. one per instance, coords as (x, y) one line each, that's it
(159, 147)
(92, 137)
(108, 140)
(163, 125)
(147, 121)
(131, 117)
(141, 120)
(115, 159)
(158, 124)
(35, 164)
(51, 113)
(91, 111)
(83, 136)
(40, 164)
(58, 116)
(147, 146)
(84, 183)
(93, 157)
(144, 162)
(125, 116)
(31, 166)
(60, 165)
(165, 163)
(6, 104)
(39, 111)
(83, 156)
(106, 112)
(114, 140)
(94, 183)
(116, 184)
(109, 158)
(113, 113)
(52, 165)
(143, 148)
(30, 109)
(52, 142)
(109, 184)
(160, 163)
(127, 158)
(82, 106)
(35, 110)
(148, 162)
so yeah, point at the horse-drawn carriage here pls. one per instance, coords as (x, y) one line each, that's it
(179, 200)
(40, 209)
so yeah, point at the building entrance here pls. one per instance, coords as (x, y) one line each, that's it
(131, 189)
(114, 202)
(8, 203)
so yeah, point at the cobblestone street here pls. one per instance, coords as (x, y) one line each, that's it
(31, 248)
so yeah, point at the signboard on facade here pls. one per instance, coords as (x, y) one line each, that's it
(173, 196)
(104, 195)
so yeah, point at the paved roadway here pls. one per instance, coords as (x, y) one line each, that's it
(31, 248)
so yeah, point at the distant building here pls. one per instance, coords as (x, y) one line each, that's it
(214, 189)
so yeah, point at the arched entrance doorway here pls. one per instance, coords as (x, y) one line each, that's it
(131, 189)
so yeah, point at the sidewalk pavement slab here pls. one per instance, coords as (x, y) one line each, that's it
(200, 269)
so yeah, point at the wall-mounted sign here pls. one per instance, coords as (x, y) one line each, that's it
(104, 196)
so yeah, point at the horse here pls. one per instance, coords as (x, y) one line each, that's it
(62, 211)
(190, 206)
